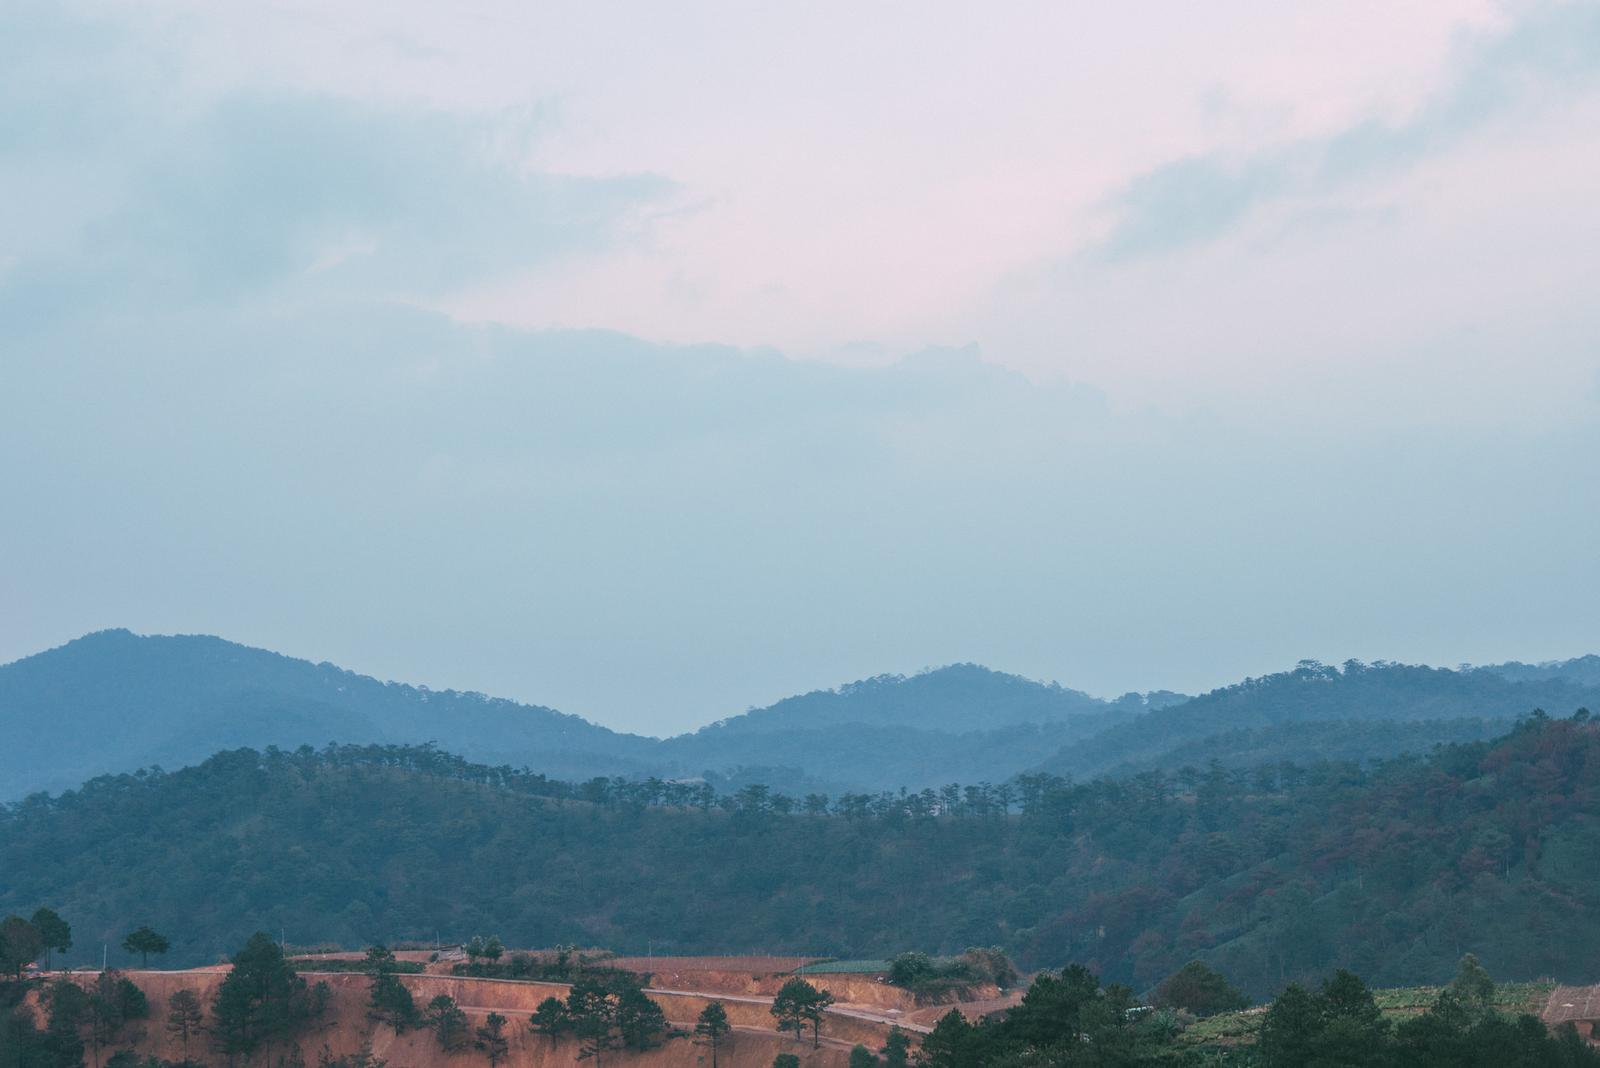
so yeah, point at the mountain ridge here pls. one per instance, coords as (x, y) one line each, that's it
(139, 700)
(114, 700)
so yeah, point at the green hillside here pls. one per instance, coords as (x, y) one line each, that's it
(1270, 873)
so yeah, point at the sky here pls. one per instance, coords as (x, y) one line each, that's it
(654, 361)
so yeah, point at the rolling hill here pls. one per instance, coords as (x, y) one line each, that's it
(1271, 873)
(1359, 711)
(115, 701)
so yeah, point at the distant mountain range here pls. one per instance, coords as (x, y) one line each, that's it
(113, 701)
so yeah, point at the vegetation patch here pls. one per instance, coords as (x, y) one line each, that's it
(846, 967)
(565, 966)
(922, 974)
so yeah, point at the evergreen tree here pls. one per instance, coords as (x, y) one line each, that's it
(550, 1019)
(1290, 1030)
(105, 1011)
(713, 1026)
(862, 1057)
(20, 944)
(56, 933)
(184, 1017)
(448, 1022)
(261, 1000)
(492, 1038)
(389, 1000)
(592, 1010)
(950, 1044)
(799, 1003)
(896, 1049)
(69, 1009)
(640, 1021)
(145, 941)
(1354, 1032)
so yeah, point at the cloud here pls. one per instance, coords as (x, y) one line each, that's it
(269, 191)
(1200, 198)
(193, 197)
(224, 405)
(661, 535)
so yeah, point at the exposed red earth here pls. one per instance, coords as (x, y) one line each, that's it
(753, 1043)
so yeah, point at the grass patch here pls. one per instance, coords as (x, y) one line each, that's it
(1396, 1003)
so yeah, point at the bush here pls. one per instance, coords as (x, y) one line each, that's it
(1199, 989)
(920, 973)
(910, 969)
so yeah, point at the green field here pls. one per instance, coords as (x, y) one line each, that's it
(846, 967)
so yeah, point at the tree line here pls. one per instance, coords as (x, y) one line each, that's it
(1069, 1019)
(45, 933)
(1272, 873)
(1066, 1019)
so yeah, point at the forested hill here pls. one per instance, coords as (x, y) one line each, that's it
(963, 722)
(1354, 712)
(114, 700)
(1270, 873)
(1582, 670)
(950, 699)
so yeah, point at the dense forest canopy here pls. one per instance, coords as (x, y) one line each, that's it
(1354, 710)
(1270, 873)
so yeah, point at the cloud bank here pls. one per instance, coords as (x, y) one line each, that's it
(463, 351)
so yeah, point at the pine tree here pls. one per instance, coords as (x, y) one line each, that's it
(448, 1021)
(639, 1019)
(550, 1019)
(713, 1026)
(492, 1038)
(896, 1049)
(55, 931)
(145, 941)
(184, 1017)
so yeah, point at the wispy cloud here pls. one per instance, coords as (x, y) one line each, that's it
(1197, 199)
(198, 198)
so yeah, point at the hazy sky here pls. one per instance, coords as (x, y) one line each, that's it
(655, 360)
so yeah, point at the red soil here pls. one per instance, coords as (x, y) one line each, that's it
(929, 1015)
(346, 1028)
(764, 976)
